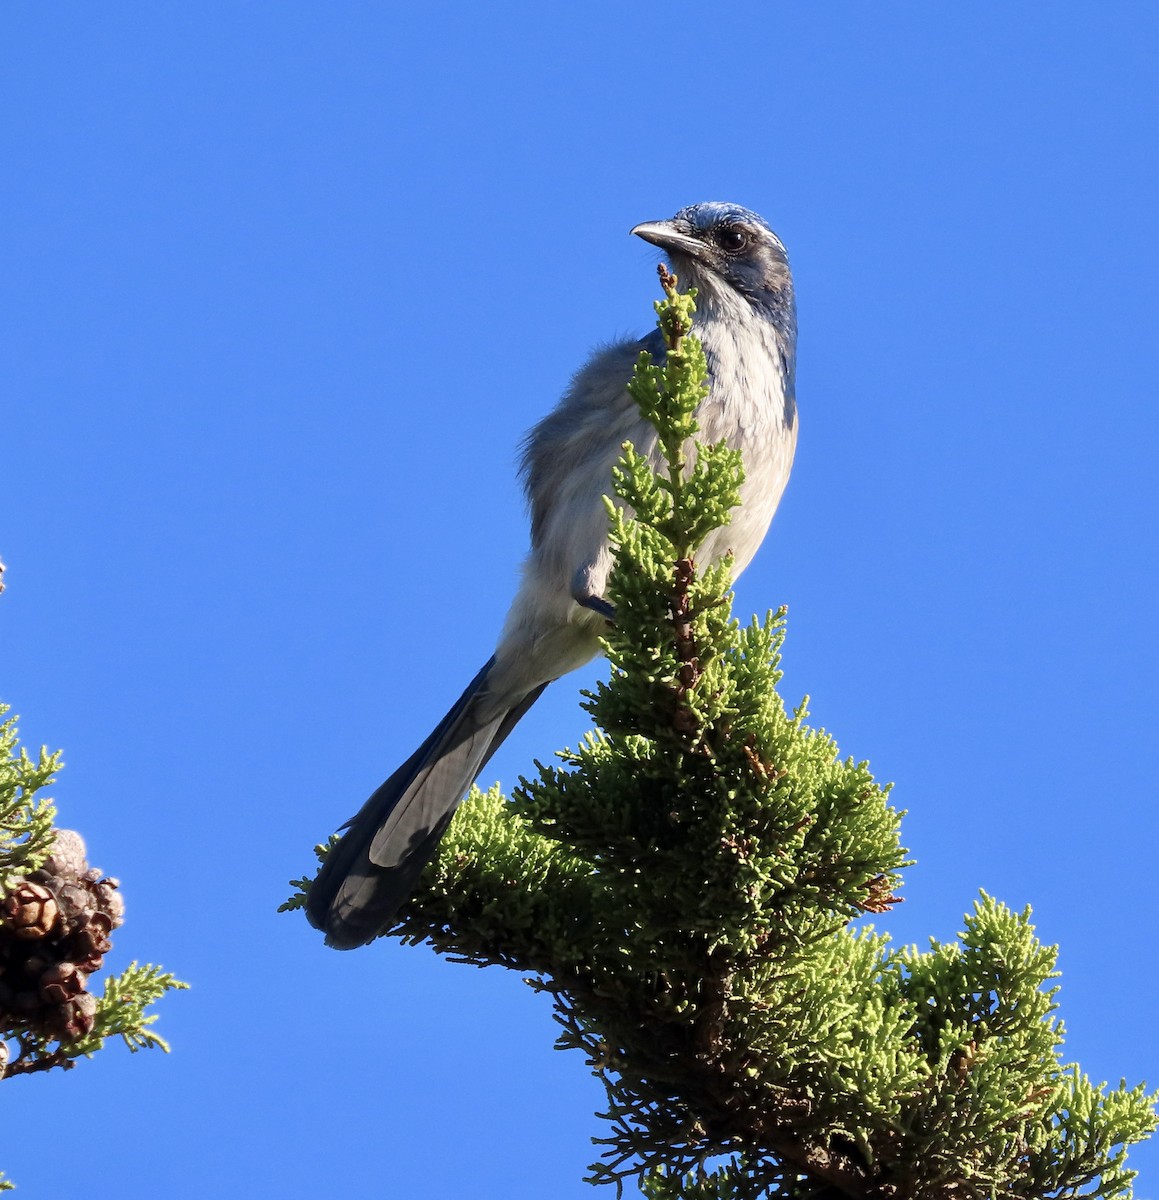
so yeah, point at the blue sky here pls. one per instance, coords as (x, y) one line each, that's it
(284, 283)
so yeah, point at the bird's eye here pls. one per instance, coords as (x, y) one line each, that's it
(730, 238)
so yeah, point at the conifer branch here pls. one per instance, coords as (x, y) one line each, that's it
(57, 915)
(684, 886)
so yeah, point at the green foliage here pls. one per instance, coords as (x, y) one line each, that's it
(732, 1181)
(677, 510)
(55, 918)
(684, 886)
(298, 897)
(26, 830)
(122, 1011)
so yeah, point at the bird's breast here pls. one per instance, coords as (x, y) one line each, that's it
(750, 406)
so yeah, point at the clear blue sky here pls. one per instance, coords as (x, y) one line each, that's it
(285, 282)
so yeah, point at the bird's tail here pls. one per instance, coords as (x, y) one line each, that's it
(377, 863)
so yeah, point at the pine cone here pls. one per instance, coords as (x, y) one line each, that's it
(54, 933)
(30, 911)
(62, 982)
(68, 855)
(75, 1017)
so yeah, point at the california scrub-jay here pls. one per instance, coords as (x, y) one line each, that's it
(746, 320)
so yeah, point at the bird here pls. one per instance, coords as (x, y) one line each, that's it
(746, 321)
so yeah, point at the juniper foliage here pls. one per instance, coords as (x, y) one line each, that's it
(56, 915)
(26, 831)
(685, 884)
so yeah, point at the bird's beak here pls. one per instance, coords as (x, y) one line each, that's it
(672, 236)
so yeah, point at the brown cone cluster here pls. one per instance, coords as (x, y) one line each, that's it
(54, 933)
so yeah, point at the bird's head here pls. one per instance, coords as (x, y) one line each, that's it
(727, 253)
